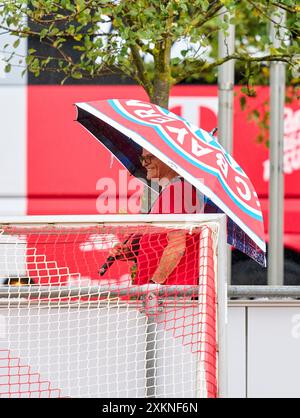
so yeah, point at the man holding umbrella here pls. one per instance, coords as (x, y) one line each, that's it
(170, 147)
(173, 255)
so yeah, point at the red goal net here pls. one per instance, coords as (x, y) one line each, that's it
(109, 309)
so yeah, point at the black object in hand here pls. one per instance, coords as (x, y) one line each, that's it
(109, 261)
(135, 244)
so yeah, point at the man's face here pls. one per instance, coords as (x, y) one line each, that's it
(156, 169)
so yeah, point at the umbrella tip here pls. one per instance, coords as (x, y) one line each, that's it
(213, 131)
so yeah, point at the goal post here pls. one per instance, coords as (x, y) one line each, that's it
(151, 324)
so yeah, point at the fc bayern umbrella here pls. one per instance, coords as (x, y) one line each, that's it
(127, 126)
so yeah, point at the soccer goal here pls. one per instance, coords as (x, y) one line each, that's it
(113, 306)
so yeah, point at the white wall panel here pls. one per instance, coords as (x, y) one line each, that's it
(13, 146)
(236, 352)
(273, 352)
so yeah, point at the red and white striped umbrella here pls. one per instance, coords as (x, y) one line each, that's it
(127, 126)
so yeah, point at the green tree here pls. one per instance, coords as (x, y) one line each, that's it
(143, 36)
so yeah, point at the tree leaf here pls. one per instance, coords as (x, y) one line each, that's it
(7, 68)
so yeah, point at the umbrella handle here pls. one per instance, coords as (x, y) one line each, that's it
(109, 261)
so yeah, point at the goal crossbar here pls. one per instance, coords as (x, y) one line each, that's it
(105, 219)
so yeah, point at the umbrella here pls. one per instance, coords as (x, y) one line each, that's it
(127, 126)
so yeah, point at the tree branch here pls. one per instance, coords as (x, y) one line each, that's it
(142, 76)
(28, 33)
(197, 68)
(140, 67)
(285, 7)
(268, 17)
(198, 22)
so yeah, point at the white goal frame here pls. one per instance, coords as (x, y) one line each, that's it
(77, 220)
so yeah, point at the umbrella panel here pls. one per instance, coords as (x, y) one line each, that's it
(124, 149)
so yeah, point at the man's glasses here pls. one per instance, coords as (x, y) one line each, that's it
(147, 159)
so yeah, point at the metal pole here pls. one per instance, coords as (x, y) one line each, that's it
(222, 312)
(9, 294)
(38, 291)
(225, 95)
(151, 307)
(276, 187)
(277, 292)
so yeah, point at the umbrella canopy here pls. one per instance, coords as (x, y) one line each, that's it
(127, 126)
